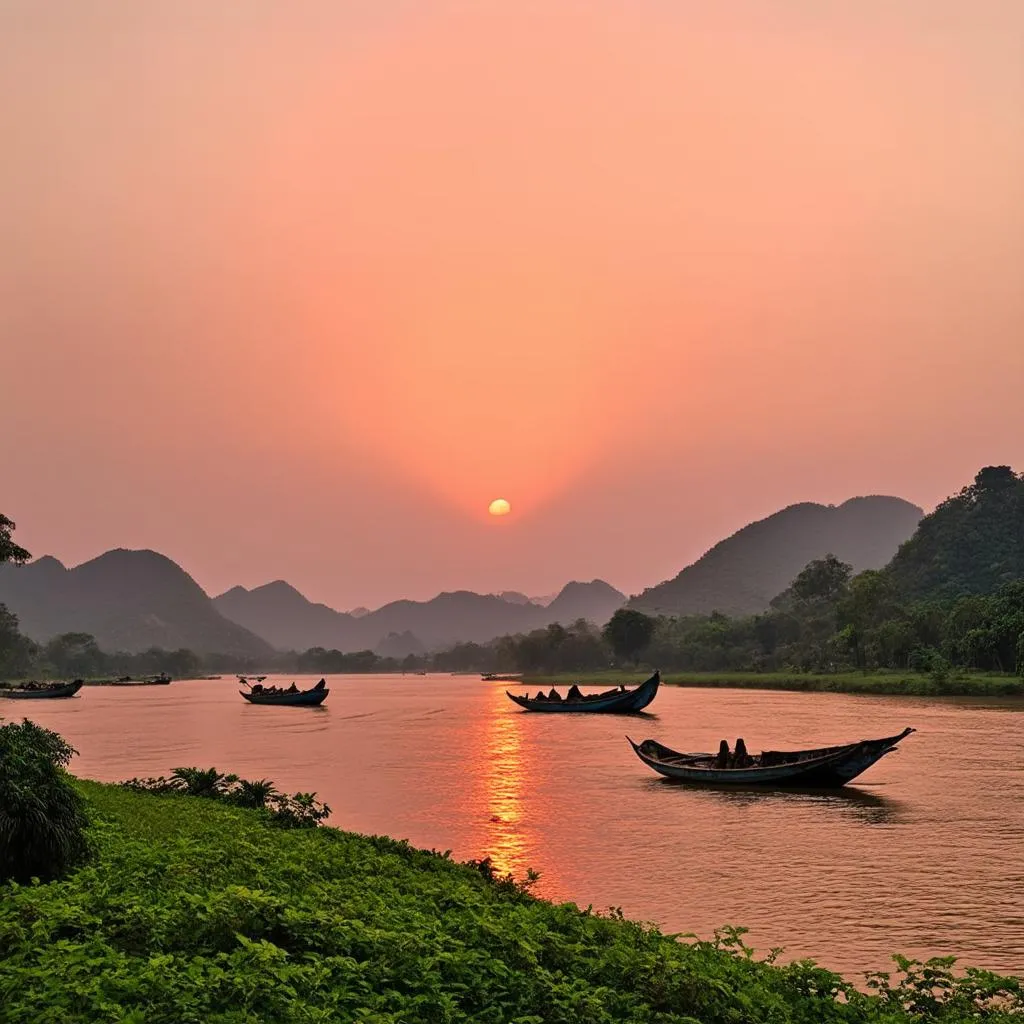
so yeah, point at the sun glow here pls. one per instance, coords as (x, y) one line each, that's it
(499, 507)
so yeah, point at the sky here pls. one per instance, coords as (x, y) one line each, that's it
(295, 290)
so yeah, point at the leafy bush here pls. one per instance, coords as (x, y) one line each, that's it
(300, 810)
(42, 816)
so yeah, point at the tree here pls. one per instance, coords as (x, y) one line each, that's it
(75, 654)
(629, 634)
(16, 650)
(42, 816)
(824, 579)
(9, 551)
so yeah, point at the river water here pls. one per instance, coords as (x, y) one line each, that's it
(923, 854)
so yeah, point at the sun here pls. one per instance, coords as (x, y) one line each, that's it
(499, 507)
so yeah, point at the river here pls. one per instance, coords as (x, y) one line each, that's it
(923, 854)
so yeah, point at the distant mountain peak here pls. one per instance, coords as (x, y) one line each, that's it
(128, 599)
(742, 573)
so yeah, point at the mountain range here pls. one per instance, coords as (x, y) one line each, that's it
(133, 600)
(741, 574)
(280, 614)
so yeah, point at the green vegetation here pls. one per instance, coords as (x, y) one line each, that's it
(974, 684)
(196, 911)
(9, 551)
(628, 633)
(42, 816)
(741, 574)
(302, 810)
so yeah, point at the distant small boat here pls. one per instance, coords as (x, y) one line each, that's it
(825, 767)
(40, 692)
(493, 677)
(292, 698)
(619, 700)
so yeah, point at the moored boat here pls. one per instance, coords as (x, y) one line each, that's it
(825, 767)
(42, 691)
(288, 698)
(620, 700)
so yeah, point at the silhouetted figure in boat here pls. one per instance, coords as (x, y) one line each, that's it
(540, 695)
(555, 695)
(574, 693)
(293, 688)
(722, 761)
(741, 759)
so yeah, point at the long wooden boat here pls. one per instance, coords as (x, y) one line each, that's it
(297, 698)
(619, 700)
(43, 692)
(825, 767)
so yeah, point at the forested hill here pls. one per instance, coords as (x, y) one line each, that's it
(972, 543)
(128, 600)
(741, 574)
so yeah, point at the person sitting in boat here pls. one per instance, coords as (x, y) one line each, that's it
(722, 761)
(555, 695)
(541, 695)
(293, 688)
(741, 759)
(574, 693)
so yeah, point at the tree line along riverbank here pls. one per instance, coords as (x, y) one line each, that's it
(193, 910)
(905, 683)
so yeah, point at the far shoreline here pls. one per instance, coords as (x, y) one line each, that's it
(908, 684)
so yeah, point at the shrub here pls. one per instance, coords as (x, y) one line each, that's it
(300, 810)
(42, 817)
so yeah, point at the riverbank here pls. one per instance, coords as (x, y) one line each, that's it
(908, 683)
(196, 911)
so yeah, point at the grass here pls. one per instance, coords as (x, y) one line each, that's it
(194, 911)
(908, 683)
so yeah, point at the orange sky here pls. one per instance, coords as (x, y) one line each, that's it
(294, 290)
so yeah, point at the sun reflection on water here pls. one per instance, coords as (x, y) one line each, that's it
(505, 763)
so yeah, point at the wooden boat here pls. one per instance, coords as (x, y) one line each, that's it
(824, 767)
(43, 692)
(619, 700)
(297, 698)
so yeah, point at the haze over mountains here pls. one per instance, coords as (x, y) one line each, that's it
(134, 600)
(741, 574)
(279, 613)
(128, 600)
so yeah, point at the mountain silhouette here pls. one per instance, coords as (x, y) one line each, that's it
(282, 616)
(741, 574)
(129, 600)
(289, 621)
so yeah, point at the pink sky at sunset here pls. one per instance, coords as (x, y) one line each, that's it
(294, 290)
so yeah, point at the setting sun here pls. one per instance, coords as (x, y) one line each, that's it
(499, 507)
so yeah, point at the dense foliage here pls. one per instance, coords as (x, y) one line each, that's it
(300, 810)
(195, 911)
(42, 816)
(973, 543)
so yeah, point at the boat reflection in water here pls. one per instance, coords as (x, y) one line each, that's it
(851, 802)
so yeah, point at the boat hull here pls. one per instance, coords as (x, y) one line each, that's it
(625, 702)
(53, 693)
(301, 699)
(821, 768)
